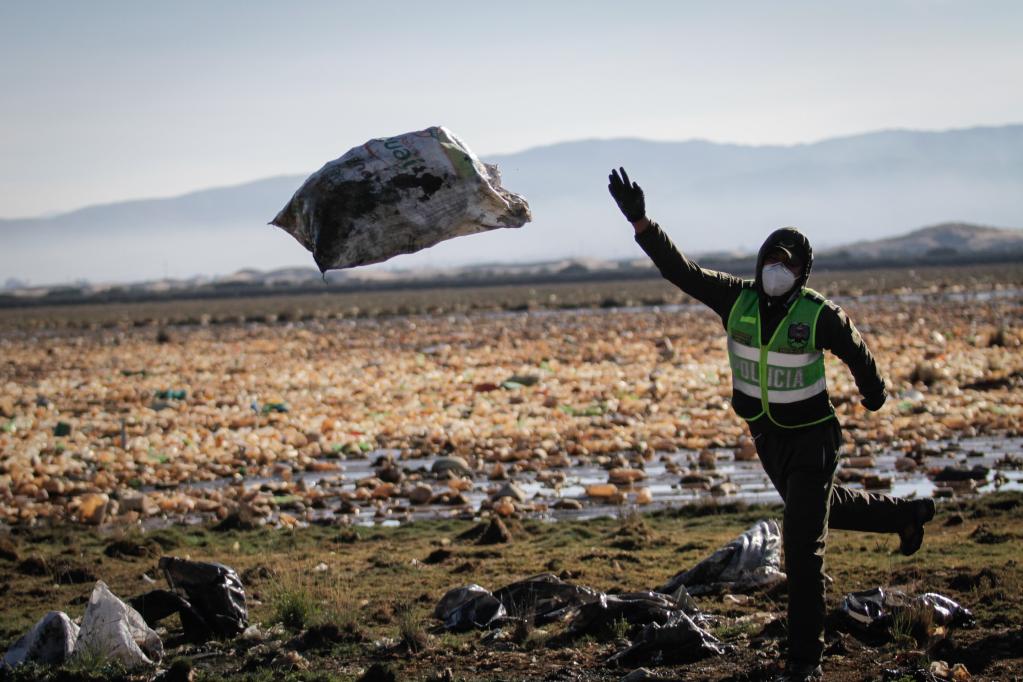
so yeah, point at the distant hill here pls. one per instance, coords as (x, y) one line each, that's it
(946, 244)
(710, 197)
(948, 240)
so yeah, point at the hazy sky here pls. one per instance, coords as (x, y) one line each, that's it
(104, 101)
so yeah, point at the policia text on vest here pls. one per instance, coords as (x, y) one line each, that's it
(784, 378)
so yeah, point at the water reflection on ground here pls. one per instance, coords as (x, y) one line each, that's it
(662, 479)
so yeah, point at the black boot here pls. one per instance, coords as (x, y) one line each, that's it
(911, 536)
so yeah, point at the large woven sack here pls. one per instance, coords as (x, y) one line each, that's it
(398, 195)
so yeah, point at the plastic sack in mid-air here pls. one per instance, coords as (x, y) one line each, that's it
(398, 195)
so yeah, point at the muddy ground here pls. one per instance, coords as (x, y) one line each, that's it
(368, 614)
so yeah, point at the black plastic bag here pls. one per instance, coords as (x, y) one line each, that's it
(214, 590)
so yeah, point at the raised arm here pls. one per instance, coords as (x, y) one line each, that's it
(717, 290)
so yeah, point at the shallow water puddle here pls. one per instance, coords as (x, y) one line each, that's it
(663, 476)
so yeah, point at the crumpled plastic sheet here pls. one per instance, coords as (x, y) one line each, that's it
(544, 598)
(750, 562)
(214, 591)
(541, 599)
(50, 641)
(116, 631)
(680, 640)
(465, 608)
(398, 195)
(635, 608)
(874, 609)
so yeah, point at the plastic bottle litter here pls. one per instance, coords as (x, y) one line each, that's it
(398, 195)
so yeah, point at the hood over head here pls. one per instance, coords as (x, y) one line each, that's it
(796, 243)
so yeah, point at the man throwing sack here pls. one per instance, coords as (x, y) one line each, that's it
(777, 331)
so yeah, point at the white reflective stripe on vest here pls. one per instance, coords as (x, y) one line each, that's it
(743, 351)
(795, 395)
(792, 359)
(752, 390)
(777, 359)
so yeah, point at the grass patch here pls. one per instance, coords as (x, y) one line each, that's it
(912, 627)
(734, 630)
(620, 628)
(292, 603)
(411, 631)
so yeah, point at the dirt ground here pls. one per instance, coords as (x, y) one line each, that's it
(365, 613)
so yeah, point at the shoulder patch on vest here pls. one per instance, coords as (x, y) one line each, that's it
(799, 335)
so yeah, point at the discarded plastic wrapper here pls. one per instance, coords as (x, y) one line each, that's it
(635, 608)
(680, 640)
(398, 195)
(543, 598)
(50, 641)
(540, 599)
(112, 629)
(873, 610)
(749, 562)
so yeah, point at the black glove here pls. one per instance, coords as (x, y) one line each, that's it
(875, 402)
(629, 196)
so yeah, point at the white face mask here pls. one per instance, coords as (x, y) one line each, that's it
(777, 279)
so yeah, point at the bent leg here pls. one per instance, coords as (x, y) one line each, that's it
(864, 511)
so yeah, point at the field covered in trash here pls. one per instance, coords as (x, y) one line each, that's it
(339, 451)
(338, 603)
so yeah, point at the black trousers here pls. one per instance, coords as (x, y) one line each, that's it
(801, 464)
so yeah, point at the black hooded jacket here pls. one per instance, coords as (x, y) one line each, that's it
(719, 291)
(773, 308)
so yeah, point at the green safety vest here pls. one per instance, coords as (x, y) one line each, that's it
(784, 378)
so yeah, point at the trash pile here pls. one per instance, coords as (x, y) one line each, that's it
(209, 598)
(662, 628)
(398, 195)
(665, 625)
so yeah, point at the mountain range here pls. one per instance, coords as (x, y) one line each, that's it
(710, 197)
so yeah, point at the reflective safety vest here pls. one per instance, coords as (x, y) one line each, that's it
(784, 378)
